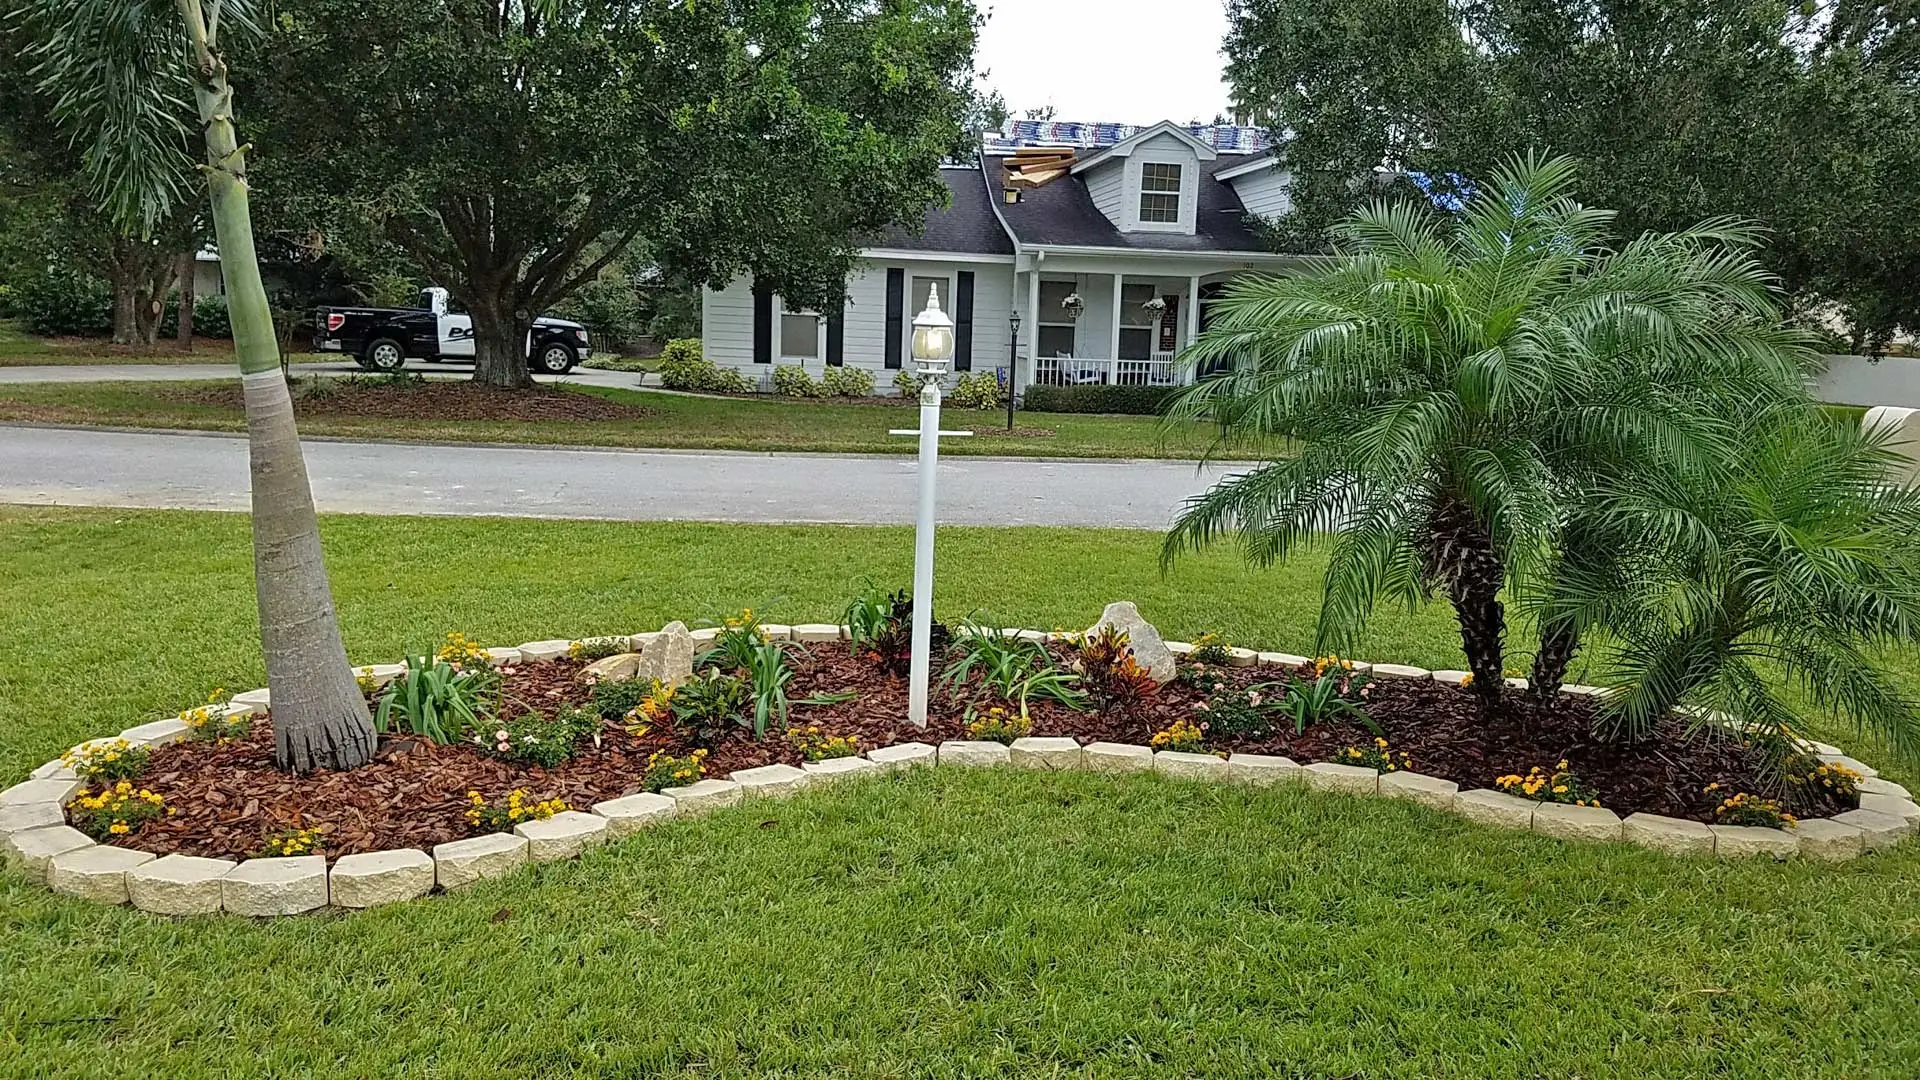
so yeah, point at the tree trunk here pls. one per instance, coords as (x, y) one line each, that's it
(155, 280)
(500, 342)
(183, 334)
(1558, 643)
(121, 278)
(319, 716)
(1461, 557)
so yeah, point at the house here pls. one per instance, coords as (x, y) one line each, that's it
(1106, 240)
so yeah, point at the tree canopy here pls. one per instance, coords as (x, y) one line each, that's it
(1804, 119)
(499, 143)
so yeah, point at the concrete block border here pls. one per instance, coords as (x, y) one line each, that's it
(35, 840)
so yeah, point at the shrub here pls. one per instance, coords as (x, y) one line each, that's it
(1378, 756)
(537, 739)
(707, 702)
(1309, 702)
(683, 367)
(980, 390)
(503, 816)
(598, 648)
(1109, 672)
(114, 811)
(1182, 736)
(1131, 400)
(105, 761)
(816, 744)
(847, 381)
(1745, 808)
(1807, 773)
(615, 700)
(289, 842)
(665, 770)
(997, 725)
(1558, 786)
(62, 302)
(1231, 711)
(792, 380)
(1211, 648)
(211, 318)
(880, 627)
(909, 383)
(436, 702)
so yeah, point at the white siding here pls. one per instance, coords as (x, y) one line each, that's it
(1265, 193)
(726, 324)
(1106, 183)
(1162, 148)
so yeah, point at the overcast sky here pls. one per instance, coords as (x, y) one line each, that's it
(1101, 60)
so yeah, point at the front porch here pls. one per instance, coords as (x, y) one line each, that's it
(1086, 327)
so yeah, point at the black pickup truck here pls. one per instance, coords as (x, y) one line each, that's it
(381, 339)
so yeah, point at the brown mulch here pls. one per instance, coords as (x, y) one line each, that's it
(228, 798)
(439, 399)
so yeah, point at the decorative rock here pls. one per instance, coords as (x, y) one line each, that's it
(639, 642)
(631, 813)
(262, 697)
(32, 849)
(1400, 671)
(973, 752)
(286, 886)
(178, 885)
(809, 633)
(1739, 841)
(669, 657)
(1430, 791)
(1564, 822)
(1034, 752)
(1591, 691)
(1877, 831)
(1452, 678)
(380, 674)
(1284, 659)
(704, 635)
(1875, 785)
(1856, 765)
(503, 656)
(1038, 637)
(1516, 683)
(562, 836)
(1112, 757)
(1833, 841)
(840, 768)
(903, 756)
(1187, 766)
(1239, 657)
(777, 631)
(97, 873)
(1348, 779)
(19, 817)
(380, 877)
(1180, 649)
(1892, 806)
(702, 796)
(460, 863)
(53, 770)
(253, 708)
(160, 732)
(551, 649)
(39, 791)
(619, 667)
(1148, 649)
(1264, 770)
(1490, 807)
(1675, 836)
(770, 780)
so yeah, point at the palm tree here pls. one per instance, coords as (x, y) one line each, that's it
(1781, 578)
(120, 73)
(1454, 382)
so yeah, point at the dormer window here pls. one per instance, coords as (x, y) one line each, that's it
(1160, 192)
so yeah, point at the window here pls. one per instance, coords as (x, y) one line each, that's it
(800, 337)
(1159, 192)
(1137, 324)
(1056, 336)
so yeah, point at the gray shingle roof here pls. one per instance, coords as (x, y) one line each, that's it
(968, 226)
(1062, 213)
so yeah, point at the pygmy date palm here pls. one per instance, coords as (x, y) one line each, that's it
(1454, 382)
(121, 73)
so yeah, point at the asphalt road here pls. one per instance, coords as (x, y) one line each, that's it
(79, 467)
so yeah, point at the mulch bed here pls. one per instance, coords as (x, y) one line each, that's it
(439, 399)
(228, 798)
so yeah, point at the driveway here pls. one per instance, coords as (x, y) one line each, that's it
(93, 467)
(58, 373)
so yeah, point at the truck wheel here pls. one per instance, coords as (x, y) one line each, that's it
(384, 354)
(554, 358)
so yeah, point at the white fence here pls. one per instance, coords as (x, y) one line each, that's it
(1158, 370)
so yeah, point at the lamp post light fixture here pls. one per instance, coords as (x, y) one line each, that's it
(1013, 363)
(932, 355)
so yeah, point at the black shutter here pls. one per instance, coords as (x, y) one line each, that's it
(896, 314)
(837, 336)
(762, 324)
(963, 322)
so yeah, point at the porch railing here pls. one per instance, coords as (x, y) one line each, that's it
(1157, 370)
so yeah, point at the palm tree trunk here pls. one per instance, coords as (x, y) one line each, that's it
(1558, 643)
(1461, 555)
(319, 716)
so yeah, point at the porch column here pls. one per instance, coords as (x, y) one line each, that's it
(1113, 347)
(1032, 322)
(1193, 310)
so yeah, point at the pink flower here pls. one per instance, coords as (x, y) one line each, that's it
(502, 735)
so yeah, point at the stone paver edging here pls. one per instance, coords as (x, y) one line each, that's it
(35, 838)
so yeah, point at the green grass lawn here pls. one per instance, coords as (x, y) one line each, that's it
(21, 349)
(680, 422)
(938, 925)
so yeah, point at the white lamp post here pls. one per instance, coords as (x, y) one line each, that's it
(932, 354)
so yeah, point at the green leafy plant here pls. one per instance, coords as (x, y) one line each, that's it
(1233, 711)
(792, 380)
(1746, 808)
(705, 704)
(104, 761)
(1011, 668)
(1108, 671)
(880, 627)
(684, 367)
(816, 743)
(997, 724)
(114, 811)
(841, 381)
(979, 390)
(436, 700)
(1123, 400)
(740, 637)
(614, 699)
(537, 739)
(666, 770)
(768, 673)
(215, 722)
(1308, 702)
(1212, 649)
